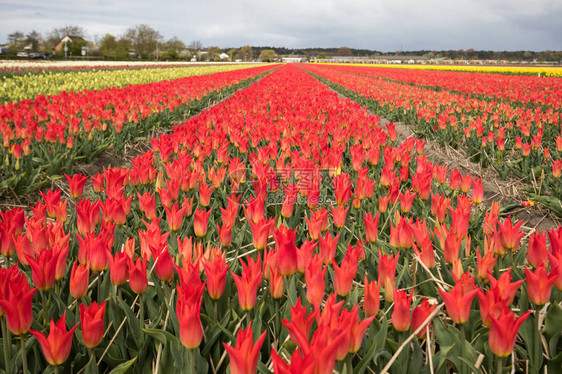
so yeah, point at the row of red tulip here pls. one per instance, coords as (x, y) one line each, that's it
(55, 131)
(508, 136)
(545, 91)
(310, 156)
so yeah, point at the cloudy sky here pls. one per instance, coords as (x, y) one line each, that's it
(373, 24)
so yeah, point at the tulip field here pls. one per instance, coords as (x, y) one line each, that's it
(284, 228)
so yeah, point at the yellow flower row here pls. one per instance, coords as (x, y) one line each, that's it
(30, 85)
(534, 70)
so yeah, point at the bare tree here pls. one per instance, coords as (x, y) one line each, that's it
(144, 39)
(195, 45)
(33, 38)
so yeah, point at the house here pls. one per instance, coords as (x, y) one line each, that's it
(67, 39)
(292, 58)
(224, 56)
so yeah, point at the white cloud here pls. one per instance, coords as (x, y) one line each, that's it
(373, 24)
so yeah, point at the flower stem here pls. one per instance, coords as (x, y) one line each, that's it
(277, 321)
(216, 310)
(191, 361)
(23, 354)
(56, 369)
(499, 369)
(349, 364)
(141, 310)
(463, 348)
(7, 344)
(44, 303)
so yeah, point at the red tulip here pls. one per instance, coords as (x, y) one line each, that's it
(164, 267)
(98, 254)
(287, 259)
(76, 184)
(477, 191)
(536, 250)
(427, 254)
(147, 204)
(188, 310)
(317, 223)
(406, 200)
(342, 188)
(371, 227)
(289, 200)
(137, 275)
(314, 276)
(244, 355)
(43, 269)
(485, 265)
(301, 324)
(200, 222)
(91, 321)
(248, 283)
(387, 273)
(17, 303)
(357, 330)
(539, 284)
(327, 247)
(371, 298)
(419, 315)
(401, 235)
(344, 274)
(510, 235)
(215, 270)
(79, 278)
(503, 286)
(457, 301)
(339, 214)
(260, 232)
(225, 234)
(56, 347)
(205, 192)
(401, 317)
(276, 279)
(503, 332)
(118, 270)
(304, 254)
(174, 216)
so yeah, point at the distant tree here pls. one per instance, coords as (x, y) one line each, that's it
(321, 56)
(213, 53)
(268, 55)
(55, 35)
(245, 53)
(113, 48)
(33, 38)
(15, 37)
(195, 45)
(232, 54)
(144, 39)
(15, 42)
(344, 51)
(173, 48)
(71, 30)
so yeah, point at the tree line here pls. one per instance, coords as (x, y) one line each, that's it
(138, 42)
(143, 41)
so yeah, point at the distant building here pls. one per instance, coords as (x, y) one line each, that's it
(224, 56)
(67, 39)
(292, 58)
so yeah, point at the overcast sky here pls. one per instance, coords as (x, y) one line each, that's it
(385, 25)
